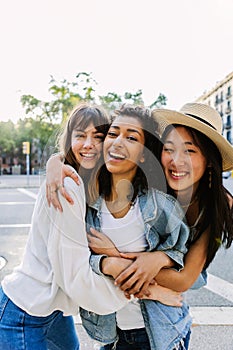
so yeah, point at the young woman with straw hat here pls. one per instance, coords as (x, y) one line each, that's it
(198, 129)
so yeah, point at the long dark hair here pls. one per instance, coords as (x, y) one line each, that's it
(212, 196)
(82, 116)
(149, 174)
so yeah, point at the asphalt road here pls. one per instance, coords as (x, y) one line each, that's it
(211, 307)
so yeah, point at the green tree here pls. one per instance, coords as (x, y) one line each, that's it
(8, 146)
(159, 102)
(7, 137)
(112, 100)
(66, 95)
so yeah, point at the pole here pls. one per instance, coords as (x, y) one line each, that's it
(28, 167)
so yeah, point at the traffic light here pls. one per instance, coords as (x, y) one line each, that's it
(26, 147)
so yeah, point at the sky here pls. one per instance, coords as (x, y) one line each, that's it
(180, 48)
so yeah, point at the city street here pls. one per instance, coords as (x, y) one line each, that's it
(211, 307)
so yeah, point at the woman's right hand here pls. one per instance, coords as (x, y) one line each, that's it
(100, 244)
(56, 171)
(113, 266)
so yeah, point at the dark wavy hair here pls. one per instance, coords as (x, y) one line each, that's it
(149, 174)
(212, 196)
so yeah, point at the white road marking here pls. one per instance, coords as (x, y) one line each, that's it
(220, 287)
(28, 193)
(14, 225)
(2, 262)
(209, 316)
(205, 315)
(16, 203)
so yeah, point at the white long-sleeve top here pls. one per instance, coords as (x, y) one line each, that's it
(55, 273)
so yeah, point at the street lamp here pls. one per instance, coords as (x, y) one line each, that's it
(26, 150)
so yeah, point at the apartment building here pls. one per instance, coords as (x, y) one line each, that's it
(221, 98)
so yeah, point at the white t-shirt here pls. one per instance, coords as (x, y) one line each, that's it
(128, 235)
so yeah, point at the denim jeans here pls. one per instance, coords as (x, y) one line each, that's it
(187, 340)
(137, 339)
(21, 331)
(130, 339)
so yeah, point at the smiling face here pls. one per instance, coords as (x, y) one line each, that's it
(123, 147)
(182, 161)
(87, 145)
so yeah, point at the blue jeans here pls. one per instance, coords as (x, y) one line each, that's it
(187, 340)
(129, 339)
(137, 339)
(21, 331)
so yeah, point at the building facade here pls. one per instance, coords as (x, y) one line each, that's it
(221, 98)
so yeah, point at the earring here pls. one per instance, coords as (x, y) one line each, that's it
(210, 178)
(142, 160)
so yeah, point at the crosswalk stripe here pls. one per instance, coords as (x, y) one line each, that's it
(209, 316)
(220, 287)
(16, 203)
(28, 193)
(14, 225)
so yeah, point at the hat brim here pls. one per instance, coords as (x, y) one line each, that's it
(166, 117)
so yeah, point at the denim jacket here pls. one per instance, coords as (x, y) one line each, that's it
(165, 230)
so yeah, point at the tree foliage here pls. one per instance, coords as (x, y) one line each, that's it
(66, 95)
(7, 137)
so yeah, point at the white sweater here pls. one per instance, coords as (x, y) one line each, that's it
(55, 272)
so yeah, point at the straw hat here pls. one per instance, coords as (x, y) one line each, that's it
(202, 118)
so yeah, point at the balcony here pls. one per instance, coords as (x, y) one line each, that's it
(228, 110)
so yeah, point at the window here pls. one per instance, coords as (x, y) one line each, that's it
(229, 136)
(221, 98)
